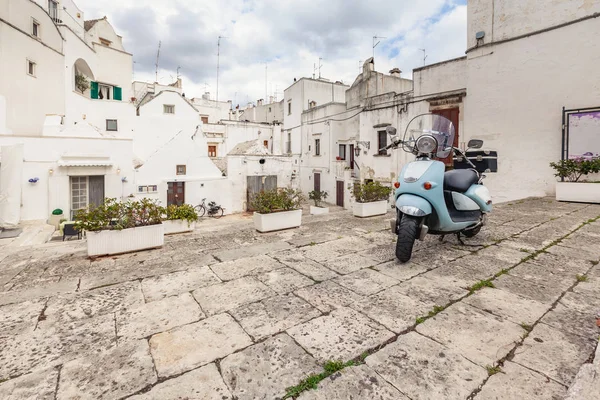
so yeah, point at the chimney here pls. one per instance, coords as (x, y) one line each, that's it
(369, 65)
(259, 102)
(395, 72)
(206, 96)
(270, 99)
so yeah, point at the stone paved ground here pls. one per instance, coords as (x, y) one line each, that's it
(233, 314)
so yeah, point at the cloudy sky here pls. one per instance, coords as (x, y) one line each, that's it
(287, 36)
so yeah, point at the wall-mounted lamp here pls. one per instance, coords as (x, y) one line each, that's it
(50, 171)
(357, 149)
(118, 171)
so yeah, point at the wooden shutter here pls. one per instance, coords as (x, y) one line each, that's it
(94, 90)
(117, 93)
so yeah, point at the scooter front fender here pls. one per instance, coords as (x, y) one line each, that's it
(413, 205)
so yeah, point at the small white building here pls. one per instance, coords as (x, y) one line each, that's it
(64, 85)
(271, 112)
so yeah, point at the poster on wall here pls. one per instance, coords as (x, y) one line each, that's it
(584, 135)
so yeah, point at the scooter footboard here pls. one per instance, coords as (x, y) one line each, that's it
(416, 206)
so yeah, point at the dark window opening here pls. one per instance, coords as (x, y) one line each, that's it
(342, 152)
(317, 147)
(382, 142)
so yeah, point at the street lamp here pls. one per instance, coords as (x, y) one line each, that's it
(357, 149)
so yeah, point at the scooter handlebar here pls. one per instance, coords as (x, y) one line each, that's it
(393, 144)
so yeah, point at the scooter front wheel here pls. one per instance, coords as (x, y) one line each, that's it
(407, 234)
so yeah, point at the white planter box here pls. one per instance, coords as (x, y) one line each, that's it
(318, 210)
(277, 221)
(578, 192)
(178, 226)
(370, 209)
(124, 241)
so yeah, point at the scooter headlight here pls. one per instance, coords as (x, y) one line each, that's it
(426, 144)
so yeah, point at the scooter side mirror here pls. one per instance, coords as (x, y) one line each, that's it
(390, 130)
(475, 144)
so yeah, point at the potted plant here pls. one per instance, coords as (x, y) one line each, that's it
(277, 209)
(318, 196)
(179, 219)
(115, 227)
(571, 187)
(371, 199)
(81, 82)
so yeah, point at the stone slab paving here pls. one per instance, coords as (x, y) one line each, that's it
(228, 313)
(265, 370)
(354, 383)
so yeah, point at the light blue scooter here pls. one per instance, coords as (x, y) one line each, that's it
(428, 199)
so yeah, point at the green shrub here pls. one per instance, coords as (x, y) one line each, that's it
(275, 200)
(115, 215)
(184, 212)
(370, 192)
(318, 196)
(573, 170)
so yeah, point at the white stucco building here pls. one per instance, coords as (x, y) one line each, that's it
(64, 89)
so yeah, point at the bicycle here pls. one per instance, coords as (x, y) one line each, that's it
(214, 210)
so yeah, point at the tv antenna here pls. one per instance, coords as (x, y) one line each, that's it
(266, 91)
(218, 57)
(315, 68)
(360, 66)
(178, 68)
(375, 39)
(157, 57)
(424, 56)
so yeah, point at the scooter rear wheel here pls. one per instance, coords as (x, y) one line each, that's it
(407, 234)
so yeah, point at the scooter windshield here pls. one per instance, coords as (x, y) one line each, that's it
(441, 128)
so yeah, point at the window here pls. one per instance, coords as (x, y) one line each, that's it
(269, 109)
(105, 42)
(79, 192)
(212, 151)
(104, 92)
(266, 144)
(53, 10)
(111, 125)
(181, 169)
(289, 107)
(312, 104)
(342, 152)
(382, 142)
(317, 147)
(31, 68)
(35, 28)
(168, 109)
(288, 144)
(204, 119)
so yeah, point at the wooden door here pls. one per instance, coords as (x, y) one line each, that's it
(96, 190)
(176, 193)
(339, 193)
(452, 115)
(317, 178)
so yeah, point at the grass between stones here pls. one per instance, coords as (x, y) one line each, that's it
(493, 370)
(481, 284)
(329, 368)
(581, 278)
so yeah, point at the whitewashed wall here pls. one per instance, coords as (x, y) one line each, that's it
(41, 154)
(507, 19)
(515, 98)
(29, 98)
(442, 77)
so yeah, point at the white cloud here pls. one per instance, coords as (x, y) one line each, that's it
(289, 35)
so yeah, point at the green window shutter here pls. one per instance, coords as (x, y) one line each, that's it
(94, 90)
(117, 93)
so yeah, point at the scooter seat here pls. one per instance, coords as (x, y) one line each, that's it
(460, 180)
